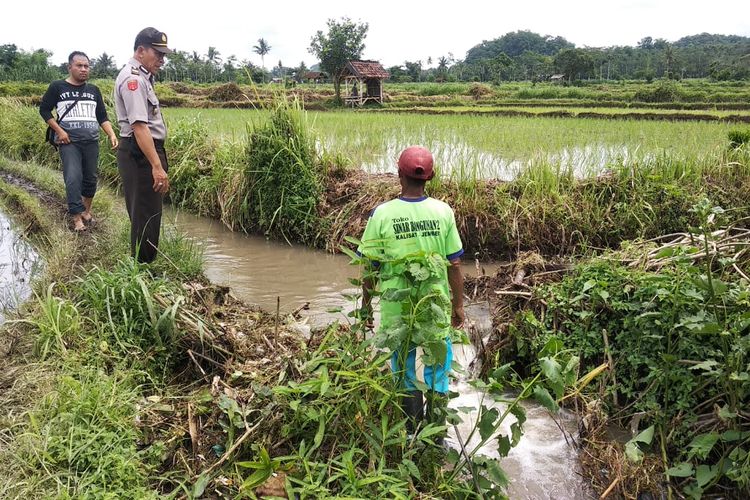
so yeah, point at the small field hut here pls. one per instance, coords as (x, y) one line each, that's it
(315, 77)
(557, 78)
(363, 82)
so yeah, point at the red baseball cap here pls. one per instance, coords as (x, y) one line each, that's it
(416, 162)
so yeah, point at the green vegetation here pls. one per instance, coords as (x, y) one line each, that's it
(139, 330)
(116, 352)
(73, 378)
(344, 42)
(675, 325)
(642, 190)
(476, 145)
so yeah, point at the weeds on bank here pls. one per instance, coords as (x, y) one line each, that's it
(81, 440)
(679, 339)
(342, 419)
(98, 336)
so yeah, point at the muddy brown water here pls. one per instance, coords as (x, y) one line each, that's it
(543, 466)
(19, 263)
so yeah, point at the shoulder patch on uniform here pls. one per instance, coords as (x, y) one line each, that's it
(132, 84)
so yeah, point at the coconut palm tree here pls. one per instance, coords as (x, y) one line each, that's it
(262, 49)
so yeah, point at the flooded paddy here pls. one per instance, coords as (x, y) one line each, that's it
(488, 147)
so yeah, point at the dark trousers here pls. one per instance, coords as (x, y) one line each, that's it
(143, 203)
(79, 163)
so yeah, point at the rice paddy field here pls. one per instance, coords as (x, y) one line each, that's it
(489, 147)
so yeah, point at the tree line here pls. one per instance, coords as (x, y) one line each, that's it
(516, 56)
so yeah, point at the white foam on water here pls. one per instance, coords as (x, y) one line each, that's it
(544, 465)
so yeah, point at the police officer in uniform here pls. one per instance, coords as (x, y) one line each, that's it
(141, 158)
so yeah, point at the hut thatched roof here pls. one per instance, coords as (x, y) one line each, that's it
(366, 69)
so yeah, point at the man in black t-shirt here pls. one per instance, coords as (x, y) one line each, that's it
(82, 110)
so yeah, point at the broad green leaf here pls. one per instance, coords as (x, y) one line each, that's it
(720, 287)
(646, 436)
(702, 445)
(632, 452)
(551, 369)
(503, 445)
(704, 474)
(682, 469)
(725, 414)
(487, 421)
(516, 431)
(665, 252)
(734, 435)
(419, 272)
(256, 479)
(518, 412)
(200, 485)
(588, 286)
(551, 347)
(544, 398)
(438, 313)
(495, 473)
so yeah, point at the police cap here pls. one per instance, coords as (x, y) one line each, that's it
(151, 37)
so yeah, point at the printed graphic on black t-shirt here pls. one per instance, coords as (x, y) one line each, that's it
(82, 121)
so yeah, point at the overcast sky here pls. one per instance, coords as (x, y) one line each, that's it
(399, 30)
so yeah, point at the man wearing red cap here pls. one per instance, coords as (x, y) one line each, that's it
(415, 224)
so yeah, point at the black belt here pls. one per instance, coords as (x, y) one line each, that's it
(130, 138)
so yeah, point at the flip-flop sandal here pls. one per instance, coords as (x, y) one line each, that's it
(79, 229)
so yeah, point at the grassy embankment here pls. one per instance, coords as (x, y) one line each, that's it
(72, 380)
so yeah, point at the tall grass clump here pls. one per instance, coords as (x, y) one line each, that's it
(126, 304)
(739, 138)
(22, 133)
(283, 183)
(191, 151)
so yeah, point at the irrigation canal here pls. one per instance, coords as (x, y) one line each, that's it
(543, 465)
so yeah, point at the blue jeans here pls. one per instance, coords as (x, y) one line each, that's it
(79, 162)
(436, 376)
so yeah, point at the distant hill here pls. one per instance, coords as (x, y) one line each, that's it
(526, 55)
(705, 39)
(516, 43)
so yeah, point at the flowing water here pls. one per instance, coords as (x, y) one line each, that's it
(18, 263)
(543, 466)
